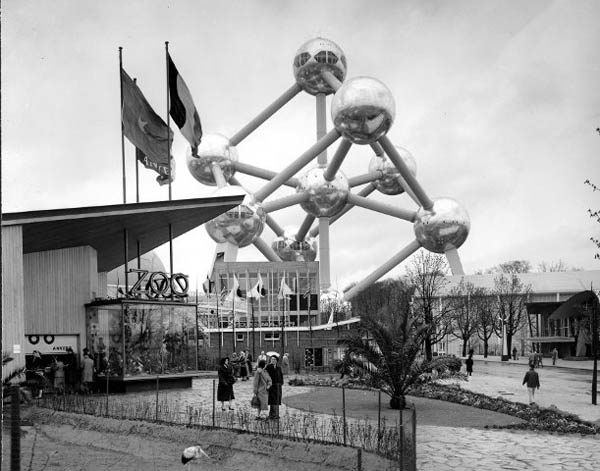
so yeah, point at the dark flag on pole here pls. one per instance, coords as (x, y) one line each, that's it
(182, 108)
(163, 170)
(145, 129)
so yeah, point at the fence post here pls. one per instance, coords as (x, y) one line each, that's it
(379, 421)
(15, 428)
(344, 411)
(106, 373)
(213, 403)
(414, 436)
(401, 430)
(157, 387)
(359, 459)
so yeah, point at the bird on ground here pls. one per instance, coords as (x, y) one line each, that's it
(191, 453)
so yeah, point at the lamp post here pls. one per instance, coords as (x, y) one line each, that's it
(505, 354)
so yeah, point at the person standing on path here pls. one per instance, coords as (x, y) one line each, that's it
(554, 356)
(275, 392)
(469, 363)
(262, 384)
(532, 380)
(225, 387)
(87, 374)
(285, 364)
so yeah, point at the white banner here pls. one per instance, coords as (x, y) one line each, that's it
(50, 344)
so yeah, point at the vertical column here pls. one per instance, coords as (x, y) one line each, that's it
(324, 276)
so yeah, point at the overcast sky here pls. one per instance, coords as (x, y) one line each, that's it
(498, 101)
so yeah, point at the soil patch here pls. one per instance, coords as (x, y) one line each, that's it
(65, 441)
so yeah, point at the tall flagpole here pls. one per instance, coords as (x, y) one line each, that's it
(168, 116)
(137, 167)
(122, 126)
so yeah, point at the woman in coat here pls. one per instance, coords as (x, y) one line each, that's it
(276, 375)
(262, 385)
(226, 380)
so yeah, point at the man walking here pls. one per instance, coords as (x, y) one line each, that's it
(554, 356)
(532, 380)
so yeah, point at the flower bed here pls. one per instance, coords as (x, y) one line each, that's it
(536, 418)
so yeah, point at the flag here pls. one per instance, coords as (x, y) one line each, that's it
(144, 128)
(235, 290)
(182, 108)
(163, 170)
(284, 290)
(208, 286)
(257, 291)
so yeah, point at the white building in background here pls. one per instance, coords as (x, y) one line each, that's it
(545, 292)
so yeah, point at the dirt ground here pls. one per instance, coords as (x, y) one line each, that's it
(68, 442)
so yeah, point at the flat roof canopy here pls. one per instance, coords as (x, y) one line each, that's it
(103, 227)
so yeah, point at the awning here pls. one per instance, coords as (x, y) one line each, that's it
(576, 306)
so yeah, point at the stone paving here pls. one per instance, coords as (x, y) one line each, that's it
(449, 448)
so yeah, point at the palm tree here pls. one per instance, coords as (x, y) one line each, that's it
(384, 349)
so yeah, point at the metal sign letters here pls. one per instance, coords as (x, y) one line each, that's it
(158, 284)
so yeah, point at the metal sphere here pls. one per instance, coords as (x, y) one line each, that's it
(363, 110)
(312, 58)
(291, 250)
(326, 199)
(240, 225)
(444, 227)
(214, 148)
(389, 183)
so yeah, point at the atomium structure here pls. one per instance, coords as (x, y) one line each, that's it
(362, 112)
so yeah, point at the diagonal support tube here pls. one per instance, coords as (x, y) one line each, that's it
(308, 220)
(366, 191)
(383, 269)
(300, 162)
(383, 208)
(276, 228)
(365, 178)
(336, 161)
(331, 79)
(261, 173)
(266, 250)
(285, 202)
(454, 262)
(265, 114)
(218, 175)
(412, 183)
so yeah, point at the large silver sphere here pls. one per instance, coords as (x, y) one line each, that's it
(240, 225)
(444, 227)
(389, 183)
(291, 250)
(326, 198)
(312, 58)
(214, 148)
(363, 110)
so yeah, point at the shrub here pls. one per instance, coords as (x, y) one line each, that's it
(443, 365)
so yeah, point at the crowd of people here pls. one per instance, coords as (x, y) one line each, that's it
(267, 381)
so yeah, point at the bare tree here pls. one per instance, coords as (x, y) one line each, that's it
(594, 214)
(509, 268)
(427, 276)
(553, 266)
(511, 295)
(464, 320)
(485, 306)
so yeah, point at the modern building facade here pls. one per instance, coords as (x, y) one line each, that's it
(54, 279)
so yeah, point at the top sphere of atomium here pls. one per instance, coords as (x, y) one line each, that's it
(240, 225)
(390, 181)
(443, 227)
(326, 198)
(363, 110)
(291, 250)
(215, 149)
(313, 58)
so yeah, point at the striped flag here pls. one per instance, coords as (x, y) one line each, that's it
(258, 290)
(284, 290)
(182, 108)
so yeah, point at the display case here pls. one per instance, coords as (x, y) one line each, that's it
(133, 340)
